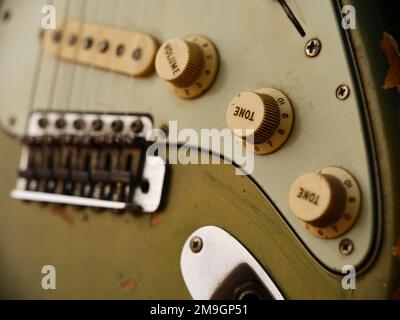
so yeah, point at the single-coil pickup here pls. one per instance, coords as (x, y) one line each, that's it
(112, 49)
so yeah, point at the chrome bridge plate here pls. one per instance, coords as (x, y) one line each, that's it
(90, 159)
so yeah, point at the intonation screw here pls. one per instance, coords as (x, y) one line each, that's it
(313, 47)
(346, 247)
(137, 126)
(97, 125)
(342, 92)
(79, 124)
(117, 125)
(60, 123)
(196, 244)
(43, 122)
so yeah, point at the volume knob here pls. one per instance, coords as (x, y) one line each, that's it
(263, 118)
(188, 65)
(327, 202)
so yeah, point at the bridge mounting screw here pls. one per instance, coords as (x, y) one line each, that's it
(346, 247)
(196, 244)
(313, 47)
(342, 92)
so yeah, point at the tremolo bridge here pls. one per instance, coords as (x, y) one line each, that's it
(89, 159)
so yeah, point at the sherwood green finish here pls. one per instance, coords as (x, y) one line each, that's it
(96, 254)
(47, 83)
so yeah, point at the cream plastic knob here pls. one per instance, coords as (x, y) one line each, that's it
(327, 201)
(188, 65)
(179, 62)
(263, 118)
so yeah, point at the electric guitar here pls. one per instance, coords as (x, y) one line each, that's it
(199, 149)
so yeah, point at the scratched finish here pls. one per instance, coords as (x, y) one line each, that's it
(258, 46)
(107, 255)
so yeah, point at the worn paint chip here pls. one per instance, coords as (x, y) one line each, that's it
(64, 214)
(154, 219)
(391, 49)
(129, 284)
(396, 249)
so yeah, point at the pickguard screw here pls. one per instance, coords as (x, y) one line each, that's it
(12, 121)
(196, 244)
(346, 247)
(313, 48)
(342, 92)
(5, 15)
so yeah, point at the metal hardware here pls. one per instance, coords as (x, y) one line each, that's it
(196, 244)
(342, 92)
(221, 254)
(313, 48)
(86, 166)
(346, 247)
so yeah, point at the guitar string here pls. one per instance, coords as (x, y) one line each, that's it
(38, 69)
(110, 79)
(134, 25)
(53, 84)
(88, 82)
(72, 82)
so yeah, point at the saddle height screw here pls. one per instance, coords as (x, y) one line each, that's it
(196, 244)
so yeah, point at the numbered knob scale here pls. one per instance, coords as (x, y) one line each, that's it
(261, 118)
(327, 201)
(188, 65)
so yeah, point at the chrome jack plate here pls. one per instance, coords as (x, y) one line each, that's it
(215, 265)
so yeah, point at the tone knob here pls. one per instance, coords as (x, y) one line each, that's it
(188, 65)
(262, 118)
(327, 202)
